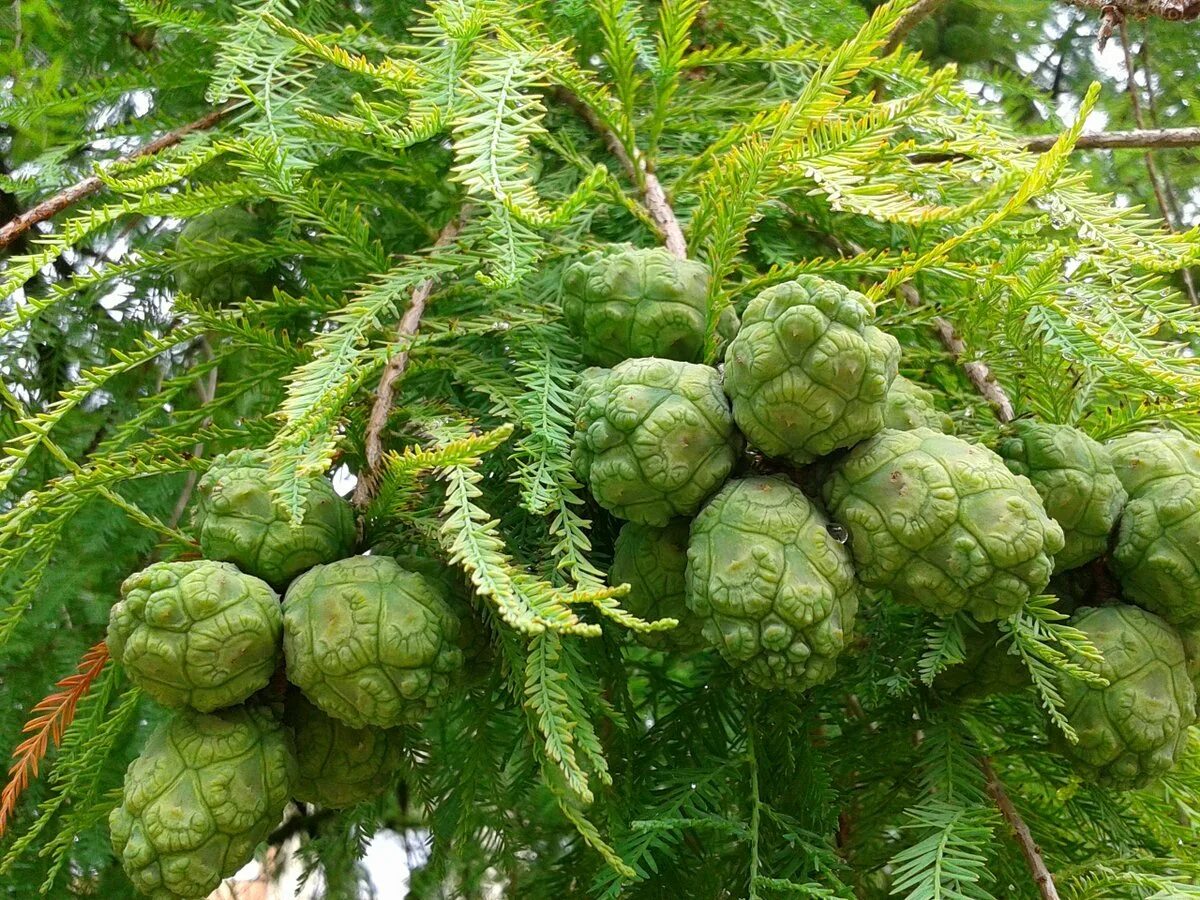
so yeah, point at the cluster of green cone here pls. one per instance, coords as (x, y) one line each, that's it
(366, 645)
(770, 575)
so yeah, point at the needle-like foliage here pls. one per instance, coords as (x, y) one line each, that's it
(421, 176)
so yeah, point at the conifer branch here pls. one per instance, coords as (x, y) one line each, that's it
(1029, 848)
(50, 719)
(381, 410)
(1158, 182)
(1171, 10)
(81, 190)
(916, 14)
(634, 162)
(977, 372)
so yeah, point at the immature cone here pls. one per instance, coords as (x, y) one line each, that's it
(652, 561)
(1190, 636)
(775, 589)
(196, 633)
(221, 281)
(624, 302)
(337, 765)
(654, 438)
(807, 373)
(473, 636)
(909, 406)
(239, 521)
(368, 642)
(1136, 728)
(1156, 555)
(206, 790)
(943, 524)
(1074, 476)
(1145, 460)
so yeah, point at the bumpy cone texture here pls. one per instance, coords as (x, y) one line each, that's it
(473, 637)
(207, 789)
(238, 521)
(1156, 555)
(339, 766)
(943, 524)
(807, 373)
(909, 406)
(987, 667)
(1190, 636)
(196, 633)
(1134, 729)
(775, 589)
(653, 561)
(368, 642)
(1144, 459)
(654, 438)
(623, 302)
(220, 282)
(1075, 478)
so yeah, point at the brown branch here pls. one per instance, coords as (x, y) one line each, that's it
(634, 163)
(1171, 10)
(92, 184)
(1152, 106)
(977, 372)
(1110, 20)
(1157, 181)
(916, 14)
(368, 479)
(1138, 139)
(1029, 848)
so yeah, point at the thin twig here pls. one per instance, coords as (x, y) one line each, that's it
(634, 162)
(1157, 181)
(917, 13)
(381, 410)
(207, 389)
(1145, 63)
(92, 184)
(1029, 848)
(755, 809)
(1137, 139)
(977, 372)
